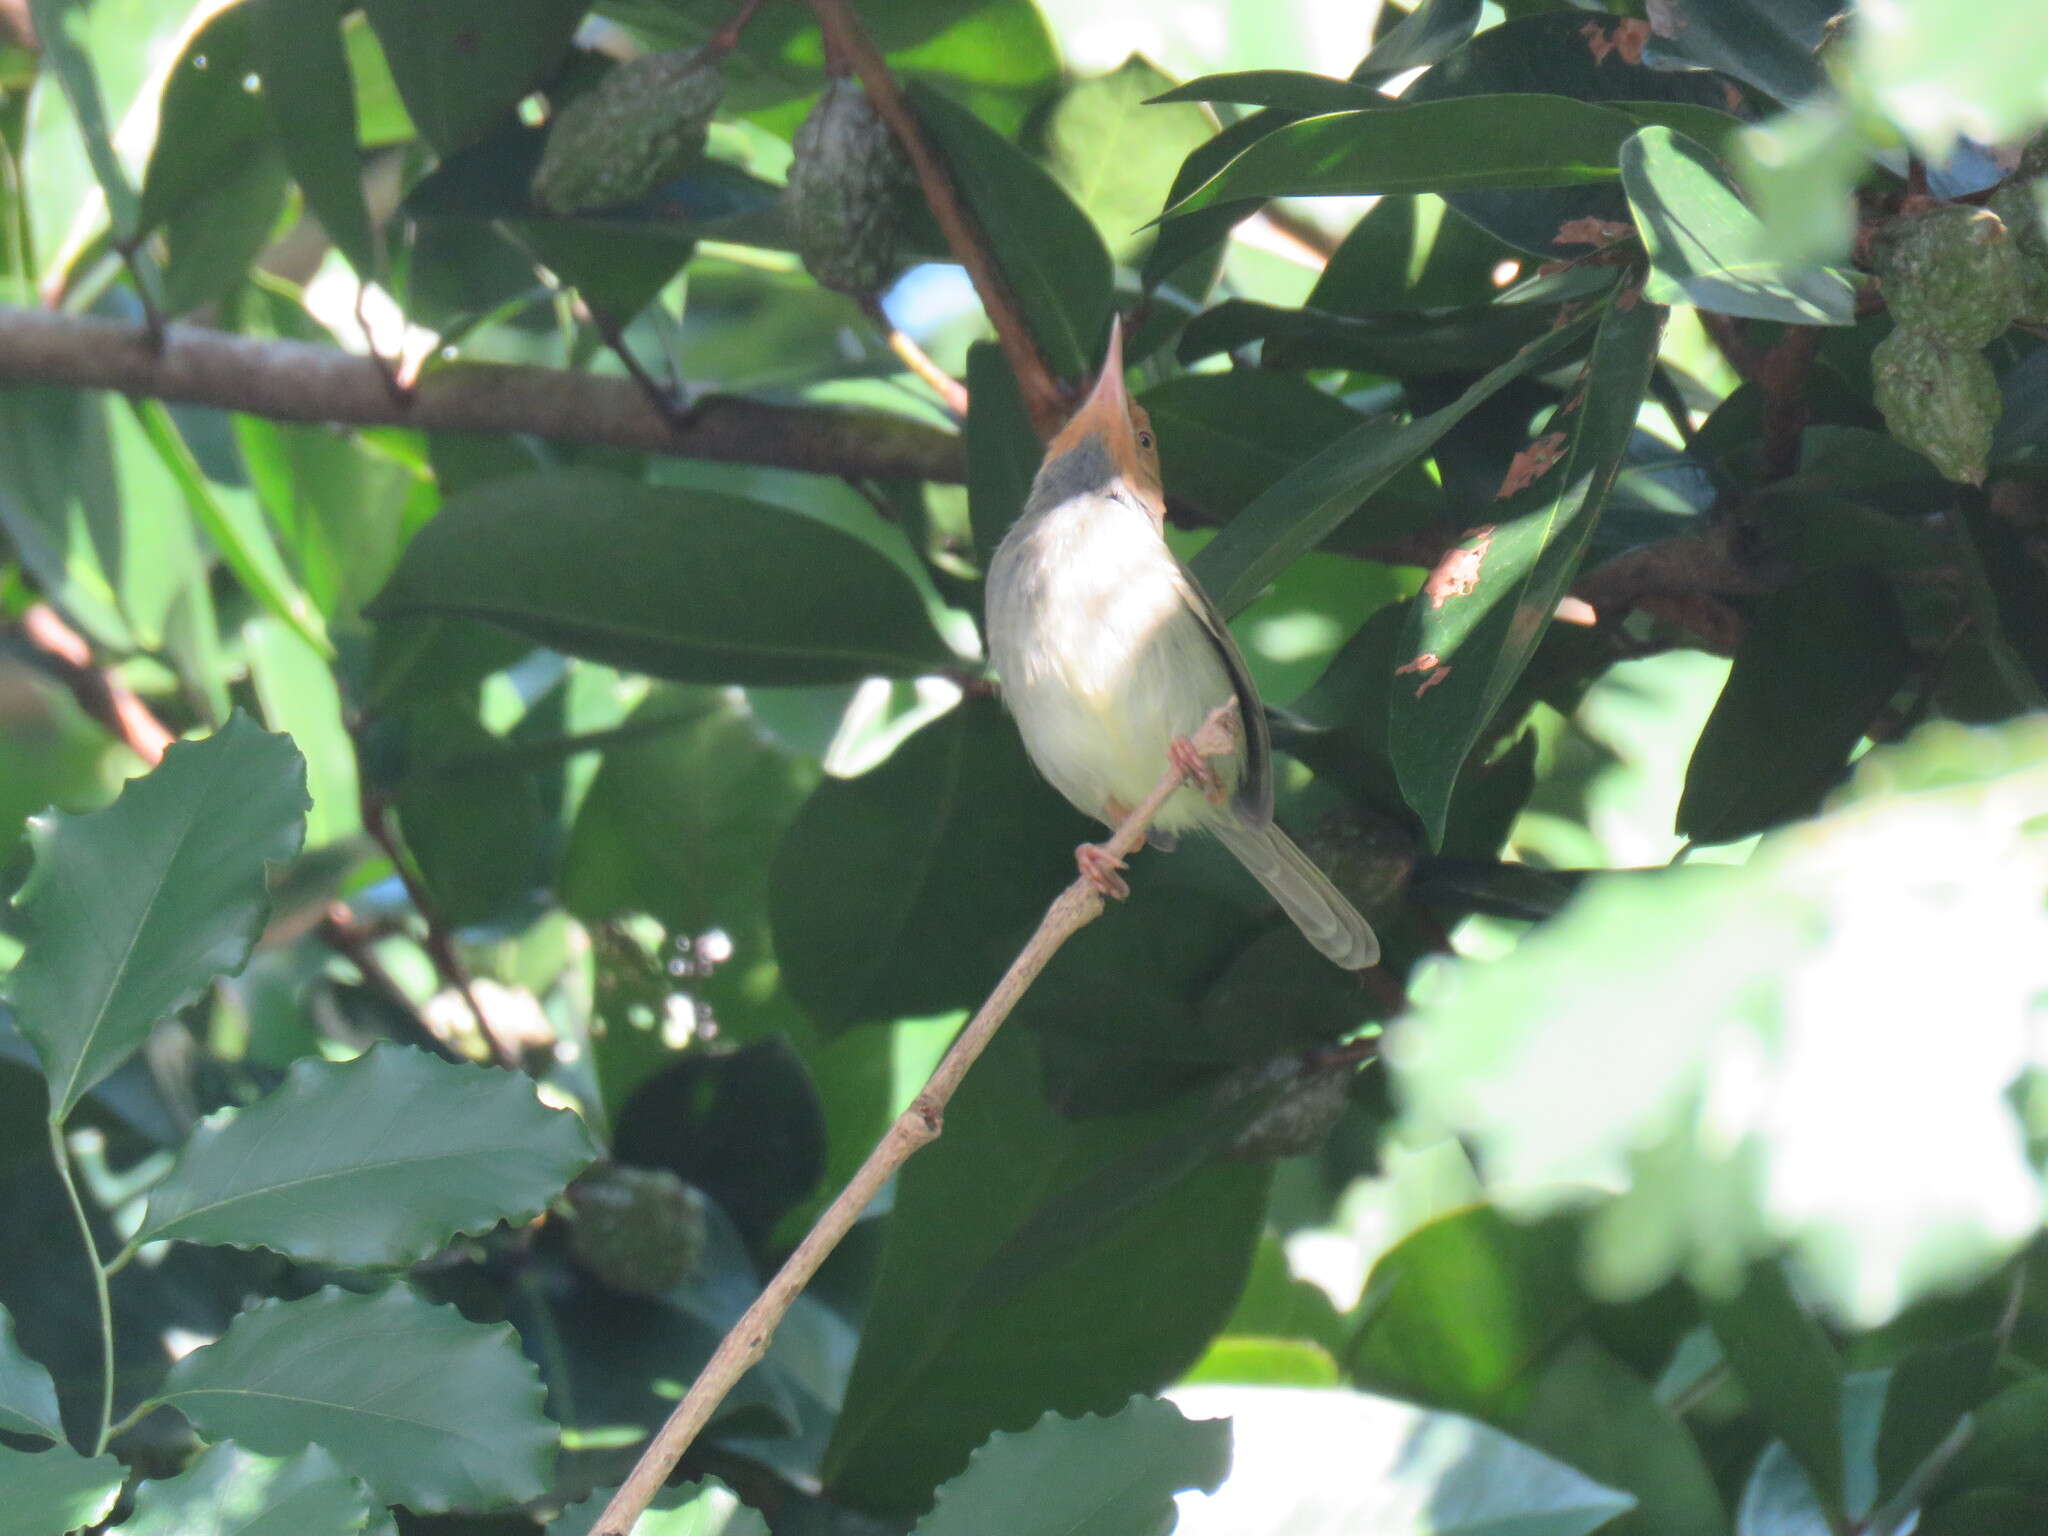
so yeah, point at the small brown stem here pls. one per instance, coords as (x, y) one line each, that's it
(727, 37)
(1074, 908)
(964, 236)
(673, 410)
(439, 946)
(1781, 374)
(340, 932)
(951, 392)
(108, 700)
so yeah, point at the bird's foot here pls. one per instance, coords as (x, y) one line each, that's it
(1099, 868)
(1194, 767)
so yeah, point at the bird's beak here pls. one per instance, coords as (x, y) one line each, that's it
(1106, 411)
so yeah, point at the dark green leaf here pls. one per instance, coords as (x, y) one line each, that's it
(372, 1162)
(1769, 43)
(212, 241)
(1002, 451)
(1591, 1412)
(1292, 89)
(50, 1493)
(228, 1491)
(462, 65)
(1225, 437)
(471, 814)
(743, 1126)
(299, 55)
(1050, 252)
(1932, 1391)
(684, 584)
(133, 909)
(1791, 1374)
(942, 1363)
(1440, 146)
(1709, 251)
(431, 1410)
(1780, 1498)
(1431, 29)
(208, 123)
(1478, 620)
(1339, 1463)
(931, 930)
(1299, 511)
(1460, 1313)
(1084, 1477)
(28, 1398)
(1816, 663)
(1461, 341)
(1195, 242)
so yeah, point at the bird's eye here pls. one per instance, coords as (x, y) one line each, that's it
(1145, 441)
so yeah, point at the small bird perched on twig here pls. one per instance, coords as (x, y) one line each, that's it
(1111, 656)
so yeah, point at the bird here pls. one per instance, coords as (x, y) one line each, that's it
(1111, 656)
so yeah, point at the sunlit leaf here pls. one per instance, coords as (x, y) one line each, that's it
(53, 1492)
(28, 1398)
(228, 1491)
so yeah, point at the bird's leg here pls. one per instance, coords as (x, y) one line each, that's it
(1195, 769)
(1099, 868)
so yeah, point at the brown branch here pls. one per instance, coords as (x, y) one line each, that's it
(951, 392)
(969, 245)
(440, 947)
(1781, 375)
(1075, 907)
(104, 697)
(300, 381)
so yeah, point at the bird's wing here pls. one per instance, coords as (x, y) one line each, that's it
(1254, 796)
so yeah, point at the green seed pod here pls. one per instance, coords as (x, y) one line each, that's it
(641, 125)
(637, 1229)
(844, 191)
(1940, 400)
(1952, 272)
(2017, 203)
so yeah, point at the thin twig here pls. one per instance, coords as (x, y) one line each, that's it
(951, 392)
(1075, 907)
(341, 932)
(440, 947)
(964, 236)
(301, 381)
(104, 697)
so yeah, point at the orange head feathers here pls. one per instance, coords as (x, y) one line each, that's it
(1111, 417)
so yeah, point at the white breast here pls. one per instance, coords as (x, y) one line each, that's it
(1102, 661)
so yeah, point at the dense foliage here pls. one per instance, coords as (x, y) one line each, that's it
(490, 849)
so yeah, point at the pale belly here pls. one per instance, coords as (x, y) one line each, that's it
(1102, 661)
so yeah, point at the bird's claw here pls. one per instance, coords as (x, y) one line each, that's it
(1099, 868)
(1194, 767)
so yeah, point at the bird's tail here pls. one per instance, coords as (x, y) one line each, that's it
(1304, 892)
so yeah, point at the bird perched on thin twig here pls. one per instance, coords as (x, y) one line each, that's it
(1111, 656)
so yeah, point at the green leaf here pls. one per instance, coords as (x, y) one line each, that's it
(1791, 1374)
(1474, 628)
(463, 65)
(1438, 146)
(1762, 971)
(1769, 43)
(2007, 1444)
(685, 584)
(1460, 341)
(228, 1491)
(1780, 1498)
(1116, 150)
(471, 813)
(1289, 88)
(213, 241)
(931, 931)
(1225, 437)
(1050, 252)
(1708, 250)
(377, 1161)
(65, 30)
(208, 124)
(297, 51)
(1938, 72)
(1299, 511)
(706, 1508)
(1084, 1477)
(1592, 1412)
(1002, 450)
(1817, 662)
(1931, 1392)
(54, 1492)
(1339, 1463)
(299, 697)
(944, 1359)
(431, 1410)
(28, 1398)
(1799, 171)
(132, 910)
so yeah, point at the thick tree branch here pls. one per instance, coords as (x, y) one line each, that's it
(1075, 907)
(845, 40)
(298, 381)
